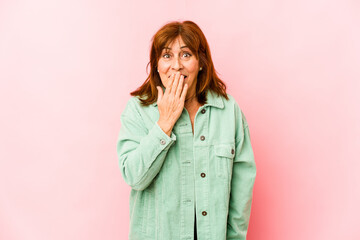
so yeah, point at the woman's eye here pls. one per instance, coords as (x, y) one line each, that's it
(186, 54)
(166, 55)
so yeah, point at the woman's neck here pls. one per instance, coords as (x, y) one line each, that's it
(191, 102)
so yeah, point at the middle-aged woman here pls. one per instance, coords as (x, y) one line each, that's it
(184, 146)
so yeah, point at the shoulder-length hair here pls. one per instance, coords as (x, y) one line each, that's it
(195, 39)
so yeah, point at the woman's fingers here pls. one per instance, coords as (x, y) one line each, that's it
(171, 103)
(175, 87)
(179, 87)
(183, 93)
(175, 83)
(160, 93)
(171, 81)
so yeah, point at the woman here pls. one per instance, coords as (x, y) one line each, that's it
(185, 152)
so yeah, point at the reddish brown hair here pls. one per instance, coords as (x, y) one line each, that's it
(195, 39)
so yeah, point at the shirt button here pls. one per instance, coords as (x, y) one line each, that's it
(203, 110)
(203, 175)
(232, 151)
(202, 138)
(204, 213)
(162, 141)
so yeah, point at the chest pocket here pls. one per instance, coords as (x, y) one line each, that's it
(224, 154)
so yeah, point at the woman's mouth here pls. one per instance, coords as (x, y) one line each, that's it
(180, 75)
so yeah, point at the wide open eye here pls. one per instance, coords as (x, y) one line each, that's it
(166, 55)
(186, 55)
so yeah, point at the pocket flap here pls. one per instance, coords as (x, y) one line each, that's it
(225, 150)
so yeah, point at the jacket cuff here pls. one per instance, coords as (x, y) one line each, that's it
(164, 141)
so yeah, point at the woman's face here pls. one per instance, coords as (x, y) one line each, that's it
(177, 57)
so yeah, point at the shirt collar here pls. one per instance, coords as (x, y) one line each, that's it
(212, 99)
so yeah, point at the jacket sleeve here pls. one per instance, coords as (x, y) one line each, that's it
(141, 151)
(242, 182)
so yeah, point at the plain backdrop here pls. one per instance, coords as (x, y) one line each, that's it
(66, 71)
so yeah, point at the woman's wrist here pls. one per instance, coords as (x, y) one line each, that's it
(165, 126)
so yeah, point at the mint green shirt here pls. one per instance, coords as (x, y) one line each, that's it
(210, 172)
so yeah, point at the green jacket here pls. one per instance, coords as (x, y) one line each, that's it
(210, 173)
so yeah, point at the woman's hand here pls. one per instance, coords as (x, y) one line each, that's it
(171, 103)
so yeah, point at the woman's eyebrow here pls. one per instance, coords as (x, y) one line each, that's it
(180, 47)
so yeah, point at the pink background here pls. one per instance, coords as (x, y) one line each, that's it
(66, 70)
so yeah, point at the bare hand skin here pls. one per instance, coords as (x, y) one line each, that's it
(171, 103)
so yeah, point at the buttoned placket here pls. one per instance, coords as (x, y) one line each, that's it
(201, 155)
(183, 130)
(193, 171)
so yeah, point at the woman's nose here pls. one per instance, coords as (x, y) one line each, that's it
(176, 64)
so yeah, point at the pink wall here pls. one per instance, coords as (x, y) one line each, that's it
(66, 70)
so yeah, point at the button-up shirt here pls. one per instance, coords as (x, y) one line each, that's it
(209, 172)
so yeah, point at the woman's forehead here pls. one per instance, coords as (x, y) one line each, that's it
(177, 43)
